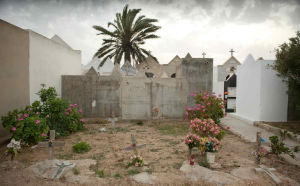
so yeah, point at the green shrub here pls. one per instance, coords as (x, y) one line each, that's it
(139, 123)
(278, 147)
(26, 125)
(81, 147)
(75, 171)
(117, 175)
(208, 106)
(221, 135)
(61, 115)
(100, 173)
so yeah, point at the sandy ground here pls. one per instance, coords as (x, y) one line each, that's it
(164, 154)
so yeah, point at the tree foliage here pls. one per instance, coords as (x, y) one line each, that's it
(288, 67)
(128, 35)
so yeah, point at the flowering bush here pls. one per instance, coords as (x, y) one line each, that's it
(208, 106)
(13, 148)
(136, 161)
(61, 115)
(25, 125)
(212, 144)
(205, 127)
(156, 110)
(192, 140)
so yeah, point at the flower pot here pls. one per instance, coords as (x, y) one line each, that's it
(210, 157)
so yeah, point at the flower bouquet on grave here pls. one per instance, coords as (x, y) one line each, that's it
(191, 140)
(136, 161)
(13, 148)
(212, 146)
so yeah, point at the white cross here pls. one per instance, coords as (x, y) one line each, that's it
(51, 144)
(203, 54)
(112, 119)
(134, 146)
(269, 173)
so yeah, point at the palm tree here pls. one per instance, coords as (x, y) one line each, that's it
(127, 37)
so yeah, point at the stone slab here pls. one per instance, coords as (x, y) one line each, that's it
(244, 174)
(144, 177)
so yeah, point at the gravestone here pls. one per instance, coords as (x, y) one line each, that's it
(269, 174)
(134, 146)
(51, 144)
(112, 119)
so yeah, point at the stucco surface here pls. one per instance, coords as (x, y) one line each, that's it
(14, 71)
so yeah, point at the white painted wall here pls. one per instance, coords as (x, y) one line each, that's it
(260, 93)
(218, 88)
(248, 89)
(48, 60)
(274, 100)
(106, 69)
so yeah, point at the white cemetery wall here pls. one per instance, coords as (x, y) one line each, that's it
(248, 90)
(106, 69)
(218, 88)
(48, 61)
(274, 100)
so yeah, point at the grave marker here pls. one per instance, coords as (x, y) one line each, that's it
(269, 173)
(51, 144)
(112, 119)
(134, 146)
(258, 146)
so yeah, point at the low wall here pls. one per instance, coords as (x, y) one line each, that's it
(127, 97)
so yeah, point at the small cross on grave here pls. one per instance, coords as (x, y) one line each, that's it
(134, 146)
(269, 173)
(203, 54)
(127, 65)
(51, 144)
(258, 146)
(112, 119)
(231, 52)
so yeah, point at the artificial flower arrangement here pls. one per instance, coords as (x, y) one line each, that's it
(212, 145)
(136, 161)
(13, 148)
(155, 110)
(192, 140)
(226, 93)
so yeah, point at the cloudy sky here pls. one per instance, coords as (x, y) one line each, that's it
(195, 26)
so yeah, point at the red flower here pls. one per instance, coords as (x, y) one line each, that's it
(228, 127)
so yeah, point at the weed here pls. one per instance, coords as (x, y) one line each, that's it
(117, 175)
(131, 172)
(149, 171)
(100, 173)
(140, 123)
(75, 171)
(204, 163)
(174, 142)
(172, 129)
(169, 157)
(141, 131)
(81, 147)
(97, 157)
(65, 156)
(219, 157)
(177, 165)
(228, 154)
(155, 150)
(176, 152)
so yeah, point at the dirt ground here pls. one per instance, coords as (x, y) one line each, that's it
(164, 153)
(289, 126)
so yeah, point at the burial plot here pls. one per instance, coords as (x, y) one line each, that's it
(51, 144)
(258, 146)
(269, 174)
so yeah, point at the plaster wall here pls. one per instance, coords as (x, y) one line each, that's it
(14, 71)
(218, 88)
(248, 90)
(274, 100)
(222, 69)
(48, 61)
(199, 74)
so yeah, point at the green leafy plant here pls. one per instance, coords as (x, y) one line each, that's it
(208, 106)
(26, 126)
(278, 147)
(81, 147)
(204, 163)
(75, 171)
(100, 173)
(221, 135)
(139, 123)
(117, 175)
(131, 172)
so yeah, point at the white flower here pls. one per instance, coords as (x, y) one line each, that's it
(131, 157)
(14, 144)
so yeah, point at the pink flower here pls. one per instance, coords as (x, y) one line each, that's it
(203, 110)
(225, 114)
(213, 93)
(79, 111)
(203, 106)
(195, 94)
(225, 101)
(222, 106)
(14, 128)
(136, 164)
(69, 109)
(186, 119)
(192, 95)
(37, 121)
(44, 135)
(26, 115)
(71, 105)
(29, 109)
(186, 107)
(20, 119)
(195, 91)
(186, 113)
(204, 97)
(208, 103)
(67, 113)
(75, 105)
(73, 122)
(47, 116)
(220, 95)
(37, 113)
(228, 127)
